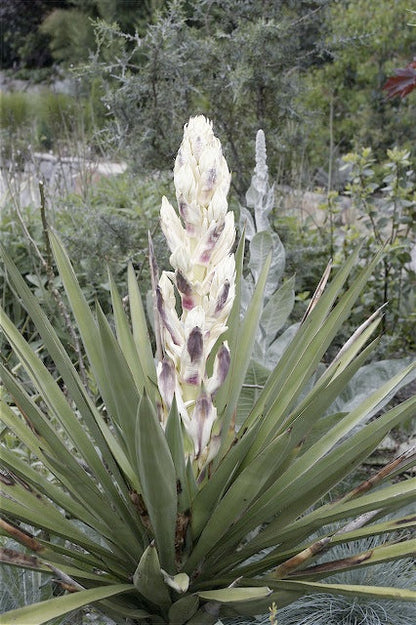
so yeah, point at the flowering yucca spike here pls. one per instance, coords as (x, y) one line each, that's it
(200, 239)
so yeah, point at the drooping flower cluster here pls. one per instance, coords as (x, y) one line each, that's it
(200, 239)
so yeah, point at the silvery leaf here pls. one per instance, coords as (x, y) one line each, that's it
(277, 267)
(277, 310)
(278, 347)
(246, 220)
(247, 289)
(260, 247)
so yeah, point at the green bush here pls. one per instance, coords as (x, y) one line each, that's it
(71, 34)
(367, 41)
(70, 28)
(15, 109)
(377, 206)
(109, 227)
(23, 46)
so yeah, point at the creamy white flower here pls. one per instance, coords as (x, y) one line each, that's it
(171, 225)
(218, 205)
(171, 327)
(203, 418)
(181, 259)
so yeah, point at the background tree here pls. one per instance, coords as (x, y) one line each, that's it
(37, 33)
(71, 29)
(23, 45)
(368, 41)
(237, 62)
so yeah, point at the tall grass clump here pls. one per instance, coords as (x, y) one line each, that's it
(48, 120)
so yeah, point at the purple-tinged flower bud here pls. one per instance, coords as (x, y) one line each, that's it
(210, 240)
(190, 214)
(195, 345)
(164, 315)
(221, 367)
(185, 289)
(222, 298)
(208, 180)
(225, 240)
(166, 377)
(203, 417)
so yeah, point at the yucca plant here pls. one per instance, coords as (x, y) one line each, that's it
(151, 503)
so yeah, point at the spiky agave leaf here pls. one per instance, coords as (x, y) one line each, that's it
(120, 506)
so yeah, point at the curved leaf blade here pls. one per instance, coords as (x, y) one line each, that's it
(234, 595)
(39, 613)
(140, 330)
(350, 590)
(383, 553)
(240, 358)
(158, 480)
(148, 578)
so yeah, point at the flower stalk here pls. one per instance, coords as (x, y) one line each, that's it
(200, 237)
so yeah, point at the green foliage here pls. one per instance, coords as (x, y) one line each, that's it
(71, 35)
(319, 609)
(17, 591)
(375, 205)
(20, 587)
(105, 227)
(382, 212)
(71, 31)
(275, 333)
(23, 45)
(285, 67)
(367, 42)
(38, 33)
(108, 226)
(30, 266)
(278, 303)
